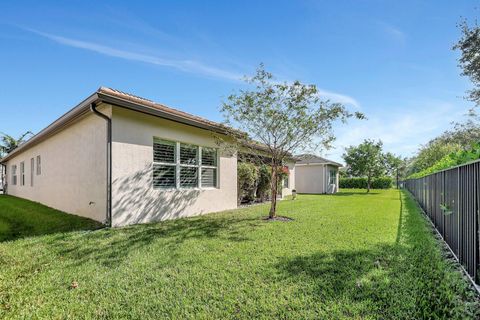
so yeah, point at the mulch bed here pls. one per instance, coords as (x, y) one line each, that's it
(278, 218)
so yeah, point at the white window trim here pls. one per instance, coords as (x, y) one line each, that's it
(22, 173)
(14, 175)
(39, 165)
(179, 165)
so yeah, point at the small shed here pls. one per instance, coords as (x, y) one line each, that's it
(315, 174)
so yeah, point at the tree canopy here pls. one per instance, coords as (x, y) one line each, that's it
(275, 119)
(8, 143)
(365, 160)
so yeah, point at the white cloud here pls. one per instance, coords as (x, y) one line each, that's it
(191, 66)
(401, 133)
(338, 97)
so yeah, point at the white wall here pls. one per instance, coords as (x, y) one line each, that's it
(134, 200)
(73, 170)
(310, 178)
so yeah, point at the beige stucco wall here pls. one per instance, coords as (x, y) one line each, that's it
(291, 180)
(73, 169)
(134, 200)
(310, 178)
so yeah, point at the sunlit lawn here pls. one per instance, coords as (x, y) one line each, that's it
(349, 255)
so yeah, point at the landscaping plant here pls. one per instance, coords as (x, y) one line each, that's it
(275, 119)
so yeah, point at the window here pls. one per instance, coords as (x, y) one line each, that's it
(32, 170)
(332, 177)
(14, 175)
(164, 164)
(188, 166)
(285, 181)
(209, 167)
(39, 166)
(180, 165)
(22, 173)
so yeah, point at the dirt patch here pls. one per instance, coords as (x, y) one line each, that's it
(278, 218)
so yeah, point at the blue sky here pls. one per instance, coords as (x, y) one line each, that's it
(391, 60)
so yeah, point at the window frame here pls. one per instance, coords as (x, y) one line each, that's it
(14, 174)
(332, 177)
(178, 166)
(32, 171)
(39, 165)
(22, 173)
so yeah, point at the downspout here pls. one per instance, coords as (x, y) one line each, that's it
(93, 108)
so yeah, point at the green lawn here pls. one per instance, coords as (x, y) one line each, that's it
(22, 218)
(350, 255)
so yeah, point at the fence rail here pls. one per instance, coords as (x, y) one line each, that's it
(451, 199)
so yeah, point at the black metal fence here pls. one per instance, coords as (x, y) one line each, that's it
(451, 199)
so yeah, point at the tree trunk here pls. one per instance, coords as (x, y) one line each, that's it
(273, 201)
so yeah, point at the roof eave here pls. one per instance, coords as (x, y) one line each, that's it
(139, 107)
(70, 116)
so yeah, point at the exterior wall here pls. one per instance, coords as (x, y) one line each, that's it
(291, 180)
(134, 200)
(310, 178)
(73, 169)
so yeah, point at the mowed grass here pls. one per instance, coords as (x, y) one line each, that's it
(350, 255)
(22, 218)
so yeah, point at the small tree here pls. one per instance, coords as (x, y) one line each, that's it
(9, 143)
(469, 47)
(365, 160)
(395, 166)
(274, 120)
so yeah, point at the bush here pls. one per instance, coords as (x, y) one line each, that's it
(264, 179)
(247, 176)
(361, 183)
(451, 160)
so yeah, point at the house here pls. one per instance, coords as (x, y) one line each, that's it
(122, 159)
(314, 174)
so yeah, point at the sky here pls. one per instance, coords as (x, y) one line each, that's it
(391, 60)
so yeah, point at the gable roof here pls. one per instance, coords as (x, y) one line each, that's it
(312, 158)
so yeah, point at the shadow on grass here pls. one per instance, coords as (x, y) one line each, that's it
(21, 218)
(111, 247)
(388, 281)
(354, 193)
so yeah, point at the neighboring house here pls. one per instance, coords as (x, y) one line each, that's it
(314, 174)
(122, 159)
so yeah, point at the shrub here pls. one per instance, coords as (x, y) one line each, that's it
(247, 176)
(451, 160)
(263, 185)
(361, 183)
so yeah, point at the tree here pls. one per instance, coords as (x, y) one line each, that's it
(395, 166)
(272, 120)
(9, 143)
(365, 160)
(469, 47)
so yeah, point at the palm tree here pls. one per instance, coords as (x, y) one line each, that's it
(9, 143)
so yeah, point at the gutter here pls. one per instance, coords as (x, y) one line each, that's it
(93, 108)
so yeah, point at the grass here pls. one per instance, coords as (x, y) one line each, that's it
(22, 218)
(349, 255)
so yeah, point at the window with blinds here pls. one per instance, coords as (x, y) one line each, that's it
(180, 165)
(22, 173)
(14, 175)
(39, 165)
(164, 164)
(209, 167)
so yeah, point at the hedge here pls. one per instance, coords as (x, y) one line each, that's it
(361, 183)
